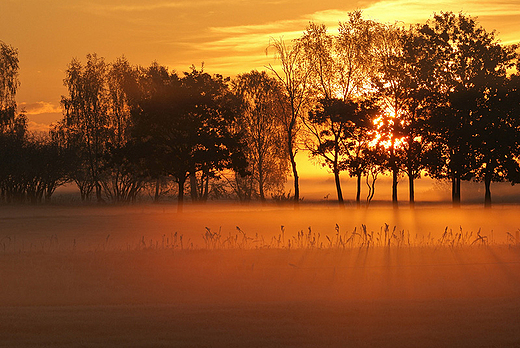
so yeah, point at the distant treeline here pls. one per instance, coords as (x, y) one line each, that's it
(440, 99)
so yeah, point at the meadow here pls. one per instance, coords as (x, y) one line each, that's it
(259, 276)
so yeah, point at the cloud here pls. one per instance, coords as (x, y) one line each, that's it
(39, 108)
(255, 38)
(147, 6)
(36, 127)
(128, 7)
(235, 41)
(286, 28)
(411, 11)
(253, 42)
(501, 16)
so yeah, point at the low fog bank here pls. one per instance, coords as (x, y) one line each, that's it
(120, 276)
(427, 190)
(54, 228)
(378, 297)
(321, 190)
(259, 276)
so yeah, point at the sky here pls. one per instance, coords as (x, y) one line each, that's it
(229, 36)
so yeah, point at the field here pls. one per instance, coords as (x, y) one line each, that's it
(232, 276)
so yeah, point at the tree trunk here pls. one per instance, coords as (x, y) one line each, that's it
(358, 190)
(261, 183)
(157, 189)
(180, 199)
(395, 172)
(487, 184)
(394, 187)
(98, 193)
(455, 190)
(206, 189)
(338, 187)
(295, 175)
(193, 186)
(411, 189)
(371, 184)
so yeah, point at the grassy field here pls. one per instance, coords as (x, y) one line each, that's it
(121, 277)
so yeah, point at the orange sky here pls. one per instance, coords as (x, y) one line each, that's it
(230, 36)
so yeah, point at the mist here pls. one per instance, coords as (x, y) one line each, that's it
(87, 228)
(225, 275)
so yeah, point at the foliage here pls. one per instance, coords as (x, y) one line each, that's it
(260, 123)
(185, 125)
(294, 79)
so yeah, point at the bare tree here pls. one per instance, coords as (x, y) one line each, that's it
(293, 77)
(339, 67)
(262, 128)
(9, 83)
(387, 79)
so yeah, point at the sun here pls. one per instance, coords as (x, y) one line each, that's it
(383, 131)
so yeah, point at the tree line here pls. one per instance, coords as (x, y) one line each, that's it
(438, 99)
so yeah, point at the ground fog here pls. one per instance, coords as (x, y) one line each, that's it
(147, 276)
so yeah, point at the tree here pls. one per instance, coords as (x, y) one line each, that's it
(261, 124)
(85, 124)
(219, 146)
(338, 77)
(14, 142)
(96, 128)
(153, 84)
(465, 59)
(387, 79)
(186, 125)
(8, 86)
(374, 158)
(338, 129)
(123, 171)
(293, 78)
(363, 157)
(497, 127)
(418, 97)
(329, 125)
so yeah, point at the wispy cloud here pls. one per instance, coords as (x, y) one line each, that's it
(414, 10)
(146, 6)
(255, 38)
(494, 15)
(39, 108)
(36, 127)
(286, 27)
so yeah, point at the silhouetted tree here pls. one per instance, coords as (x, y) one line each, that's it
(85, 124)
(363, 157)
(11, 123)
(465, 56)
(216, 109)
(186, 125)
(154, 83)
(339, 134)
(13, 130)
(374, 163)
(329, 124)
(96, 128)
(497, 129)
(261, 124)
(418, 96)
(123, 171)
(293, 77)
(338, 76)
(388, 79)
